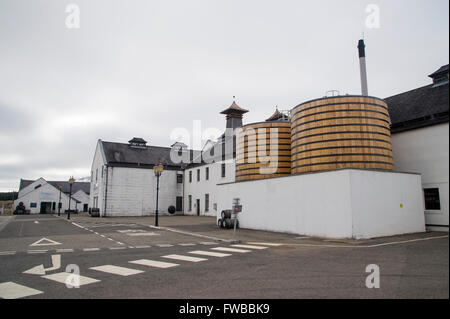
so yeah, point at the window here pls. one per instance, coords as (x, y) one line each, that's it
(223, 170)
(180, 178)
(36, 187)
(206, 202)
(179, 204)
(96, 175)
(189, 202)
(33, 205)
(207, 173)
(198, 175)
(190, 176)
(432, 201)
(102, 172)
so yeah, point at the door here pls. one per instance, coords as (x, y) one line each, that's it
(198, 207)
(85, 207)
(46, 207)
(179, 204)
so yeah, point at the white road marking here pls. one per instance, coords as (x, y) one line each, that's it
(75, 224)
(110, 239)
(2, 253)
(142, 246)
(187, 244)
(40, 270)
(103, 235)
(185, 258)
(36, 251)
(164, 245)
(143, 234)
(120, 243)
(91, 249)
(115, 248)
(208, 243)
(36, 222)
(116, 270)
(265, 244)
(233, 250)
(208, 253)
(68, 250)
(96, 233)
(249, 246)
(61, 277)
(45, 242)
(153, 263)
(11, 290)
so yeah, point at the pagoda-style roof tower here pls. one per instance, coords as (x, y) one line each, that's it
(278, 116)
(234, 115)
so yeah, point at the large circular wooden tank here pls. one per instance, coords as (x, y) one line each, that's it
(341, 132)
(263, 151)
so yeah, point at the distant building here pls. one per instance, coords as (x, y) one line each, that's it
(420, 142)
(42, 196)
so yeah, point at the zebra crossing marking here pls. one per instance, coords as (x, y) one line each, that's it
(249, 246)
(153, 263)
(11, 290)
(164, 245)
(62, 277)
(91, 249)
(187, 244)
(184, 258)
(233, 250)
(116, 270)
(208, 253)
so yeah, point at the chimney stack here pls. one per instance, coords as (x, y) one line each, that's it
(362, 67)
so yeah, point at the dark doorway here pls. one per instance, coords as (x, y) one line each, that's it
(198, 207)
(46, 207)
(85, 207)
(179, 204)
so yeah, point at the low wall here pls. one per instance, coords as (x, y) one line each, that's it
(337, 204)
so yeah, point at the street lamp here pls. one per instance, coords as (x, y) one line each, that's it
(59, 203)
(158, 169)
(71, 181)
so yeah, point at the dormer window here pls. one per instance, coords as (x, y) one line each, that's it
(440, 77)
(137, 142)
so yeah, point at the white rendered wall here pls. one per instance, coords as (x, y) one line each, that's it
(132, 191)
(198, 189)
(97, 181)
(337, 204)
(426, 151)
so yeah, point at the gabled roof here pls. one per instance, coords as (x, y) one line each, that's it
(84, 186)
(442, 70)
(234, 108)
(123, 155)
(421, 107)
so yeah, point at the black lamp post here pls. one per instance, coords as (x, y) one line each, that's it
(59, 203)
(158, 169)
(71, 181)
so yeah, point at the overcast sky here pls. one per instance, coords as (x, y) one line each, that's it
(143, 68)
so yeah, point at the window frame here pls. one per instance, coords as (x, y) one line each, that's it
(438, 200)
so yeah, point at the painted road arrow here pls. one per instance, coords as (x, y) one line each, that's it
(40, 270)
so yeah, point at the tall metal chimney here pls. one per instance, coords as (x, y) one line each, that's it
(362, 67)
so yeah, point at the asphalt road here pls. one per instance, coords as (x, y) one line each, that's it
(273, 266)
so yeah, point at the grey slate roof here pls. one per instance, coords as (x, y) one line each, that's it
(417, 108)
(125, 155)
(84, 186)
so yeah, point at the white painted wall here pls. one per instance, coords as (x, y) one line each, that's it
(426, 151)
(338, 204)
(198, 189)
(132, 191)
(83, 199)
(97, 179)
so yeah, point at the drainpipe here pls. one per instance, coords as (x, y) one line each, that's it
(106, 191)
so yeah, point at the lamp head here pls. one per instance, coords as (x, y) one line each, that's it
(71, 180)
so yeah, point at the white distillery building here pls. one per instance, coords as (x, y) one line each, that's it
(123, 182)
(42, 197)
(420, 142)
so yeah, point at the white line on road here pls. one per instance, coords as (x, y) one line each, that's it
(91, 249)
(7, 253)
(75, 224)
(115, 248)
(208, 253)
(37, 251)
(68, 250)
(62, 277)
(11, 290)
(233, 250)
(153, 263)
(266, 244)
(116, 270)
(142, 246)
(208, 243)
(185, 258)
(187, 244)
(249, 246)
(164, 245)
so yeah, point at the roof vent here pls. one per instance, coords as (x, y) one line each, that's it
(440, 77)
(137, 142)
